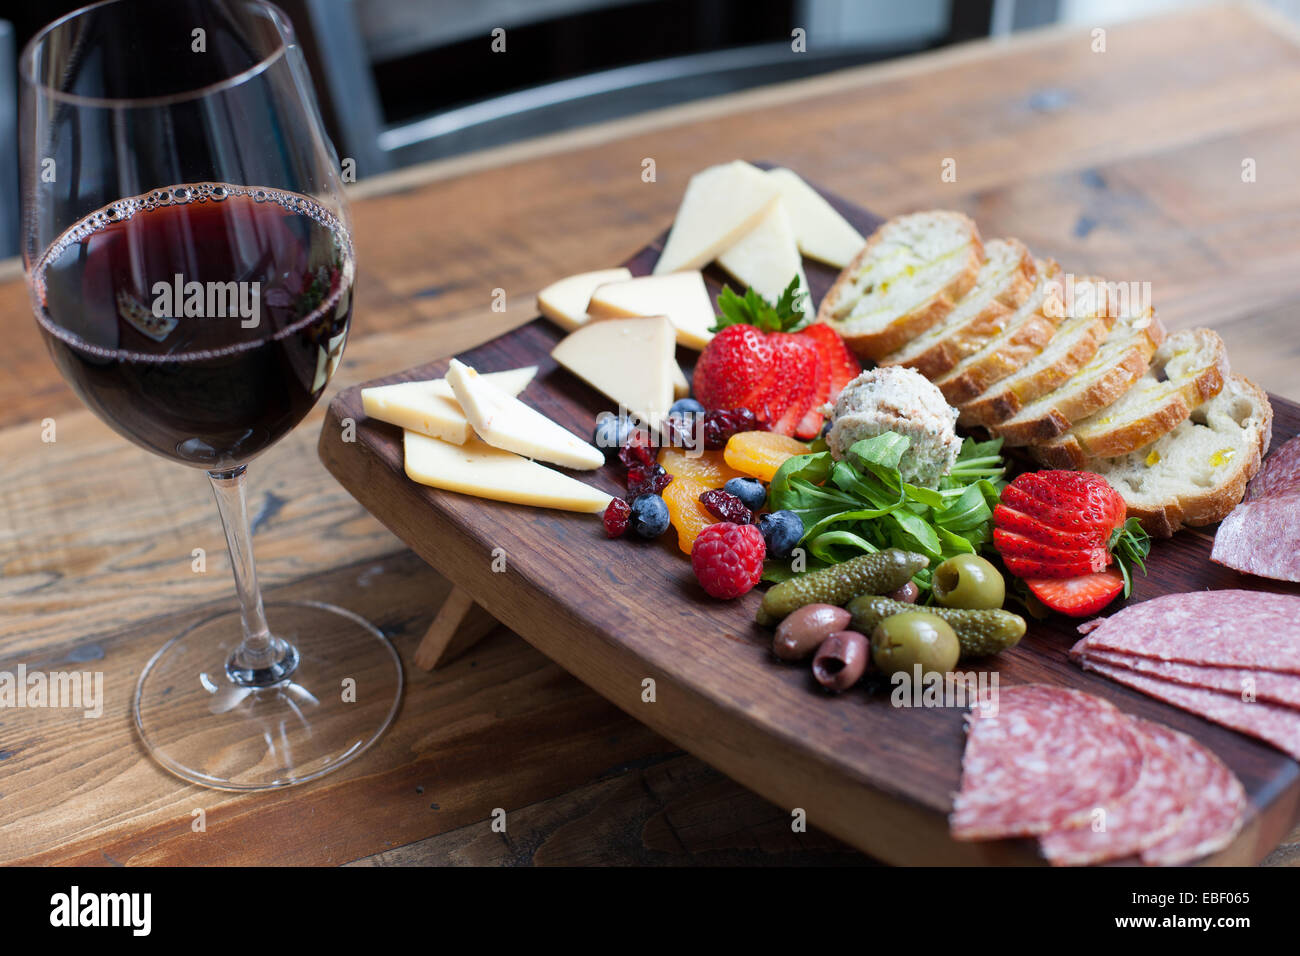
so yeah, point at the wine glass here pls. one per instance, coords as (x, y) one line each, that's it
(189, 256)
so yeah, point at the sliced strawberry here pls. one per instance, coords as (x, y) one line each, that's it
(734, 367)
(1049, 562)
(787, 393)
(1014, 496)
(1085, 500)
(843, 365)
(810, 425)
(1019, 522)
(1078, 596)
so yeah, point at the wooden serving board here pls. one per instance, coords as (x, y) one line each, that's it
(618, 614)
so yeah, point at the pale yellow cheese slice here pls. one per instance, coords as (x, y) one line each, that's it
(503, 421)
(682, 296)
(681, 387)
(430, 407)
(565, 302)
(821, 232)
(767, 258)
(721, 204)
(632, 361)
(476, 468)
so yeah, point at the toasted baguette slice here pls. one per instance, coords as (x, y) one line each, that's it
(1005, 281)
(904, 281)
(1121, 361)
(1197, 473)
(1025, 334)
(1075, 344)
(1187, 371)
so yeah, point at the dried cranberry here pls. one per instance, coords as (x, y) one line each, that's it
(742, 420)
(726, 507)
(617, 513)
(639, 449)
(680, 431)
(647, 480)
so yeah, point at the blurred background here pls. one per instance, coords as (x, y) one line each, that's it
(408, 81)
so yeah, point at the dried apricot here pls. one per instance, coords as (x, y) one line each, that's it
(707, 467)
(760, 454)
(685, 510)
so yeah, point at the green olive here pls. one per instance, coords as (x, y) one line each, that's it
(902, 641)
(968, 581)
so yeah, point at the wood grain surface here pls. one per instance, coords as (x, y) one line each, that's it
(1126, 163)
(615, 613)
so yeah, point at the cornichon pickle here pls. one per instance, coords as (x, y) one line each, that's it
(980, 633)
(877, 573)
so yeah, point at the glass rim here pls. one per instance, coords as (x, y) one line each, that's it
(27, 63)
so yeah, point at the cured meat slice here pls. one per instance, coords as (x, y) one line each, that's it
(1146, 814)
(1274, 724)
(1215, 803)
(1255, 629)
(1241, 682)
(1043, 761)
(1261, 535)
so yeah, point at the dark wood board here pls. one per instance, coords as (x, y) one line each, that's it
(615, 613)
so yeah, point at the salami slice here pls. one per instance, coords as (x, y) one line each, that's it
(1261, 535)
(1241, 682)
(1214, 807)
(1143, 816)
(1279, 726)
(1255, 629)
(1042, 762)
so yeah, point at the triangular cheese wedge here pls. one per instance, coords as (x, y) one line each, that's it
(681, 387)
(682, 296)
(476, 468)
(430, 408)
(767, 258)
(721, 204)
(632, 361)
(565, 302)
(503, 421)
(821, 232)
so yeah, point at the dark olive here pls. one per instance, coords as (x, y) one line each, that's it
(902, 641)
(803, 631)
(968, 581)
(908, 593)
(841, 660)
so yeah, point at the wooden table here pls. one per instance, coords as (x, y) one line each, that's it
(1127, 163)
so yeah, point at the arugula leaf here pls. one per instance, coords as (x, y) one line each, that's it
(752, 309)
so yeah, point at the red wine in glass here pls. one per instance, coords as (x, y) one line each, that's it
(201, 320)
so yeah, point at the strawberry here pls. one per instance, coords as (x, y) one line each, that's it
(788, 389)
(1080, 596)
(843, 364)
(1033, 559)
(810, 425)
(731, 371)
(1067, 526)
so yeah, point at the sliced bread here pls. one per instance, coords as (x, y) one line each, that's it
(1187, 370)
(1075, 344)
(1025, 334)
(905, 280)
(1121, 361)
(1005, 281)
(1196, 473)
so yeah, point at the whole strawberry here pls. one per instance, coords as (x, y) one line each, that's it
(728, 559)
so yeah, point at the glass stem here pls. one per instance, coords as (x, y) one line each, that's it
(261, 658)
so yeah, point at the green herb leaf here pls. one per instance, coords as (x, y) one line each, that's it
(1130, 545)
(752, 309)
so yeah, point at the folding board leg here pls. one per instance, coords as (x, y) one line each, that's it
(458, 626)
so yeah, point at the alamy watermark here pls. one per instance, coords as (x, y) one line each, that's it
(82, 690)
(209, 300)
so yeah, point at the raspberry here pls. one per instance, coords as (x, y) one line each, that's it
(639, 449)
(726, 507)
(648, 480)
(728, 559)
(616, 517)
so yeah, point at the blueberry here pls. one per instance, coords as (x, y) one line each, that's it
(750, 491)
(686, 406)
(649, 516)
(611, 432)
(782, 531)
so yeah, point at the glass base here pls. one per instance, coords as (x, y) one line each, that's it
(203, 726)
